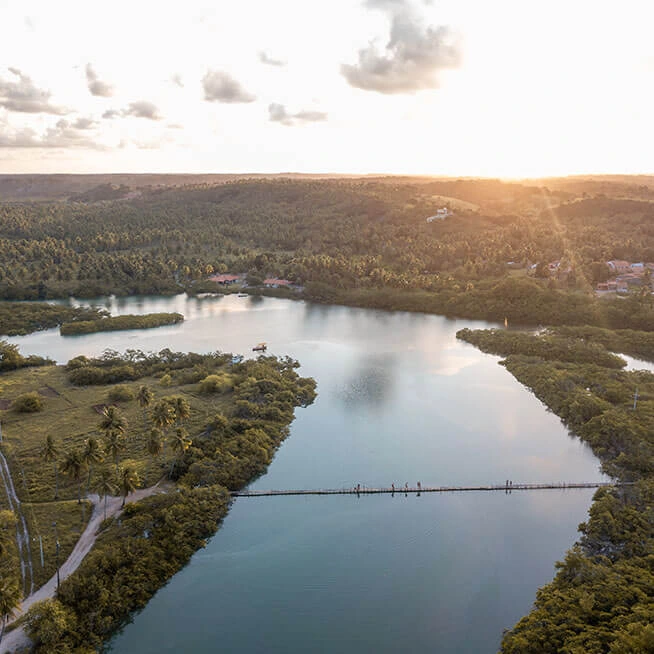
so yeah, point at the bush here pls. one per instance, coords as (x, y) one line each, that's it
(215, 384)
(121, 393)
(28, 403)
(166, 380)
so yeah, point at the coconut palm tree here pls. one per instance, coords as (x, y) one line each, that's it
(92, 454)
(73, 466)
(114, 444)
(112, 421)
(10, 597)
(155, 442)
(163, 415)
(49, 453)
(129, 481)
(179, 443)
(105, 485)
(181, 408)
(144, 397)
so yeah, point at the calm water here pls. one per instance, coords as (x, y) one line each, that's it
(400, 399)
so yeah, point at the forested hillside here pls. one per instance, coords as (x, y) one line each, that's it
(334, 237)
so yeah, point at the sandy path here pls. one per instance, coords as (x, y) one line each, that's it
(17, 638)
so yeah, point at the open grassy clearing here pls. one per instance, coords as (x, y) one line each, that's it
(71, 519)
(71, 414)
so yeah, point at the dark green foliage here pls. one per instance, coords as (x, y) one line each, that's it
(26, 317)
(552, 348)
(638, 344)
(28, 403)
(113, 367)
(12, 359)
(117, 323)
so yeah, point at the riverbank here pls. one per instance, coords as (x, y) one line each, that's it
(589, 604)
(251, 408)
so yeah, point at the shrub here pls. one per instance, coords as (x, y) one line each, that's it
(215, 384)
(121, 393)
(28, 403)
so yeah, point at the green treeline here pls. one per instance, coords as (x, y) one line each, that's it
(602, 597)
(116, 323)
(12, 359)
(551, 348)
(639, 344)
(113, 367)
(521, 301)
(152, 539)
(359, 241)
(18, 318)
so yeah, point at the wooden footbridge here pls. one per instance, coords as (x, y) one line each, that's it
(364, 490)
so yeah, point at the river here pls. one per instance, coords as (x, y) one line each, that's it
(400, 400)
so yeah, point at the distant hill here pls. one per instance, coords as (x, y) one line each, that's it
(21, 188)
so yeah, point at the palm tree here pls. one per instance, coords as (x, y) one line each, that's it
(181, 408)
(92, 454)
(129, 481)
(10, 597)
(114, 444)
(73, 465)
(112, 421)
(144, 397)
(106, 485)
(163, 415)
(49, 453)
(155, 442)
(179, 443)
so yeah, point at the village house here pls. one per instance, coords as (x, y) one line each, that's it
(441, 214)
(618, 266)
(226, 279)
(273, 282)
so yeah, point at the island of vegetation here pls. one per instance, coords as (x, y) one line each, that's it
(18, 318)
(602, 598)
(187, 428)
(117, 323)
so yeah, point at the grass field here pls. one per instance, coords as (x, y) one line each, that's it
(71, 415)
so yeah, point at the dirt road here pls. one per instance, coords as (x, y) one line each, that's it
(17, 639)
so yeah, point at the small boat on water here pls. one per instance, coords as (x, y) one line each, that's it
(243, 295)
(260, 347)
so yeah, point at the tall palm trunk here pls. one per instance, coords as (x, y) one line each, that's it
(4, 624)
(105, 506)
(56, 471)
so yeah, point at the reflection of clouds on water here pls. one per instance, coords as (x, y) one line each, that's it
(371, 382)
(451, 365)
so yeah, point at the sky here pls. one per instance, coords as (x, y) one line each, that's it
(435, 87)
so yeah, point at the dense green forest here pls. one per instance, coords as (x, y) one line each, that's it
(602, 598)
(357, 241)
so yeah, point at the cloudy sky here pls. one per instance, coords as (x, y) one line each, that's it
(443, 87)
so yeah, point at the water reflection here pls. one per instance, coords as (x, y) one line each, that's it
(400, 399)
